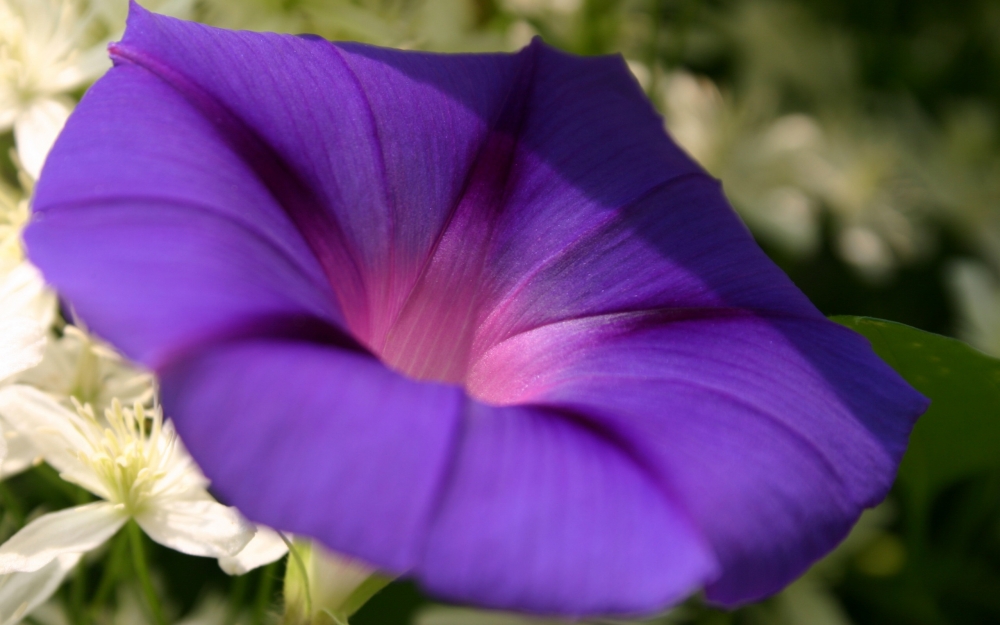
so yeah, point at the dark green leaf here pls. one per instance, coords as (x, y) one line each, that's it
(959, 435)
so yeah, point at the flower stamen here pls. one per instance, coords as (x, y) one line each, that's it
(128, 455)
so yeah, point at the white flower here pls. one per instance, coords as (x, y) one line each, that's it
(135, 464)
(26, 312)
(47, 49)
(26, 309)
(21, 593)
(265, 547)
(13, 217)
(757, 155)
(78, 366)
(977, 294)
(695, 115)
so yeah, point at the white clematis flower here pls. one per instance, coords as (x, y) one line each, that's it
(20, 454)
(26, 312)
(47, 48)
(21, 593)
(266, 547)
(81, 367)
(26, 309)
(135, 464)
(77, 367)
(14, 215)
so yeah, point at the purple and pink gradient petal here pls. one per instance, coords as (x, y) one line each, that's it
(472, 318)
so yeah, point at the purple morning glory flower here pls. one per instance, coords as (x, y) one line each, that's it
(471, 318)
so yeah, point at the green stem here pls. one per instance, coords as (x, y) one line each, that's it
(142, 572)
(296, 557)
(368, 589)
(265, 591)
(112, 569)
(237, 593)
(78, 590)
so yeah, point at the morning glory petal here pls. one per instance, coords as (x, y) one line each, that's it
(309, 118)
(545, 512)
(341, 448)
(521, 478)
(185, 209)
(473, 318)
(775, 463)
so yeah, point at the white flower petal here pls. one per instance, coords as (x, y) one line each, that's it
(21, 454)
(265, 547)
(182, 479)
(196, 527)
(22, 343)
(8, 113)
(26, 312)
(79, 365)
(21, 593)
(24, 319)
(52, 430)
(23, 293)
(90, 65)
(36, 129)
(73, 530)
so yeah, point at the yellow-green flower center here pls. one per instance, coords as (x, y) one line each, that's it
(129, 453)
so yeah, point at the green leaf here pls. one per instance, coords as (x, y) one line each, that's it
(959, 436)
